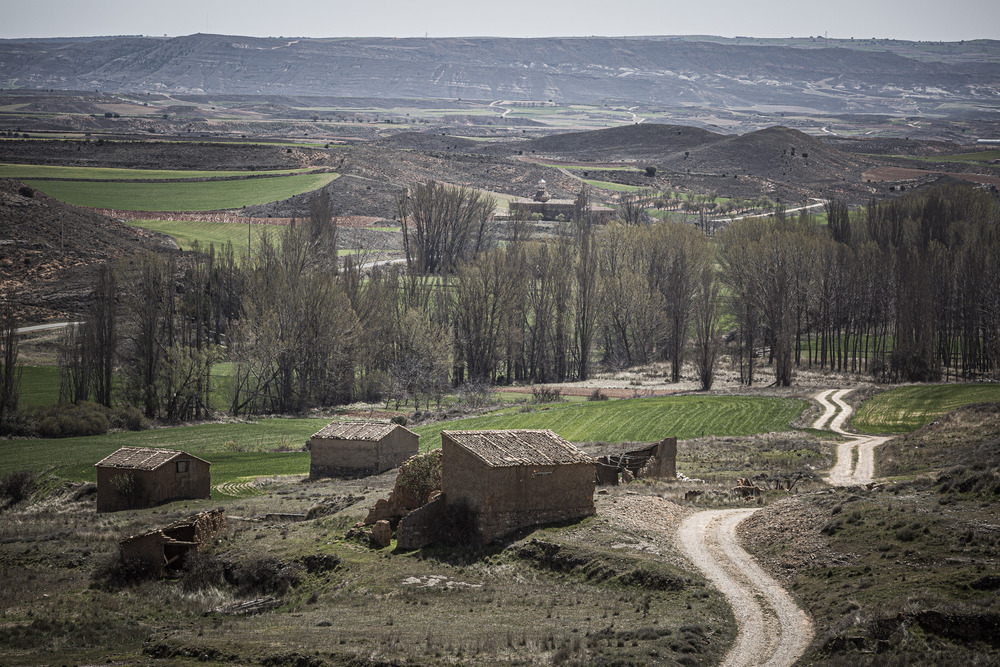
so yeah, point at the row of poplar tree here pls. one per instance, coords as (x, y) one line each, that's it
(907, 289)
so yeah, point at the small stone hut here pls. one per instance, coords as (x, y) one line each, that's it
(138, 477)
(166, 548)
(359, 448)
(515, 479)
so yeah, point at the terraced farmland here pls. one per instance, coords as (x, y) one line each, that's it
(645, 419)
(908, 408)
(193, 196)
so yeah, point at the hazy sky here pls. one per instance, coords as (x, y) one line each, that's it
(934, 20)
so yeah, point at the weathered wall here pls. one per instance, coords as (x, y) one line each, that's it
(396, 448)
(509, 498)
(667, 455)
(421, 526)
(346, 458)
(152, 487)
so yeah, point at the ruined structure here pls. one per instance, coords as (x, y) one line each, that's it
(502, 481)
(358, 448)
(656, 460)
(546, 208)
(166, 548)
(138, 477)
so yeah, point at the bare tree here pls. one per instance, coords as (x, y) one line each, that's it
(706, 326)
(444, 225)
(323, 230)
(632, 207)
(10, 369)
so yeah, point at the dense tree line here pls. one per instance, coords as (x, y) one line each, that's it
(904, 290)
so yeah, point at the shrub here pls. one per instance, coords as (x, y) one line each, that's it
(202, 571)
(650, 171)
(475, 394)
(543, 394)
(399, 419)
(262, 575)
(17, 487)
(421, 474)
(114, 571)
(597, 395)
(67, 420)
(128, 418)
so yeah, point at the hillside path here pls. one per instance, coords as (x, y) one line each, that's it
(771, 629)
(845, 472)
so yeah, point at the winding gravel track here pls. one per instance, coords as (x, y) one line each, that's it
(771, 629)
(845, 472)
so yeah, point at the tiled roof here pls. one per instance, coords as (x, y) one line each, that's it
(140, 458)
(501, 449)
(356, 430)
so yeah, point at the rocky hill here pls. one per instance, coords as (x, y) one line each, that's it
(49, 251)
(832, 78)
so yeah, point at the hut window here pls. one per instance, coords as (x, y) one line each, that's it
(182, 466)
(540, 473)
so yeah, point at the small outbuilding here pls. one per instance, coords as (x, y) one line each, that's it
(138, 477)
(167, 548)
(360, 448)
(515, 479)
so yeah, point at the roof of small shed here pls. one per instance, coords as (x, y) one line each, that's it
(500, 449)
(142, 458)
(357, 430)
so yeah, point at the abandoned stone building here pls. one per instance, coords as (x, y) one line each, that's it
(166, 548)
(137, 477)
(543, 205)
(359, 448)
(504, 481)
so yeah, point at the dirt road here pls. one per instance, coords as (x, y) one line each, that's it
(772, 629)
(847, 472)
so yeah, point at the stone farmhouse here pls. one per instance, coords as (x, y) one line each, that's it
(359, 448)
(503, 481)
(137, 477)
(166, 548)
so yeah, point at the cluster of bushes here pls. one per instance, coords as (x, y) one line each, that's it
(544, 394)
(68, 420)
(17, 487)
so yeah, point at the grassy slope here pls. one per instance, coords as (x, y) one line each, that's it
(25, 171)
(39, 385)
(196, 196)
(908, 408)
(219, 233)
(74, 458)
(877, 569)
(644, 419)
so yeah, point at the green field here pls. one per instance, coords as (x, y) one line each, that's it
(608, 185)
(219, 233)
(28, 171)
(74, 458)
(906, 409)
(194, 196)
(39, 385)
(643, 419)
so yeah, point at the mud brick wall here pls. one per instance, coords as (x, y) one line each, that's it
(357, 458)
